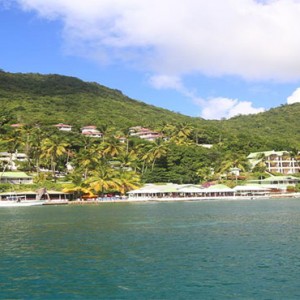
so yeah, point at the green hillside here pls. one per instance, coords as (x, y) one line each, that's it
(51, 99)
(106, 164)
(277, 128)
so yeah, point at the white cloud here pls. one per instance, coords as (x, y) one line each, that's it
(219, 108)
(295, 97)
(166, 82)
(253, 39)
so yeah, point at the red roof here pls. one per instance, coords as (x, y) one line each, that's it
(89, 127)
(17, 125)
(62, 125)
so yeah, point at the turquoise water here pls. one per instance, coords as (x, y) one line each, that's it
(203, 250)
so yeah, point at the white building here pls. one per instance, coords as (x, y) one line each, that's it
(144, 133)
(15, 178)
(275, 161)
(10, 160)
(91, 131)
(63, 127)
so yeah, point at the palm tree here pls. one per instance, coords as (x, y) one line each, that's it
(261, 165)
(53, 148)
(12, 142)
(128, 160)
(103, 179)
(113, 147)
(205, 173)
(234, 161)
(127, 181)
(157, 150)
(34, 143)
(79, 186)
(182, 134)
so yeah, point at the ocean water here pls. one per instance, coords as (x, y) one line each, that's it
(187, 250)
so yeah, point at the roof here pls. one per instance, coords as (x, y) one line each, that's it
(156, 188)
(89, 127)
(20, 193)
(180, 188)
(191, 189)
(62, 125)
(218, 187)
(14, 175)
(280, 178)
(16, 125)
(249, 188)
(254, 155)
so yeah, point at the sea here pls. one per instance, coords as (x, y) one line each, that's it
(248, 249)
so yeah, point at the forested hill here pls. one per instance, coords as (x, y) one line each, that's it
(278, 127)
(51, 99)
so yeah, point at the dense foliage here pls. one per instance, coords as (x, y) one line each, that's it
(105, 164)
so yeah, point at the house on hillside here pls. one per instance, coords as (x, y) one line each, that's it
(16, 125)
(91, 131)
(63, 127)
(275, 161)
(15, 178)
(10, 160)
(144, 133)
(122, 139)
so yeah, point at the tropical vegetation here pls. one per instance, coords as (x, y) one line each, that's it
(97, 166)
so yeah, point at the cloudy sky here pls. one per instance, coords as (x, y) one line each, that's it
(213, 59)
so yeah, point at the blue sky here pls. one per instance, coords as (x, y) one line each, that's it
(205, 59)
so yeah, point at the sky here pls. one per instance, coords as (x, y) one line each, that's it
(211, 59)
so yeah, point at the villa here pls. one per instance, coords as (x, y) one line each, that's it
(11, 159)
(144, 133)
(63, 127)
(91, 131)
(275, 161)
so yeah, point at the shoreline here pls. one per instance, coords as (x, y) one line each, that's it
(187, 199)
(147, 200)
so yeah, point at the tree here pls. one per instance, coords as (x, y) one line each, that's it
(53, 148)
(261, 164)
(103, 180)
(113, 147)
(156, 150)
(182, 134)
(234, 161)
(127, 181)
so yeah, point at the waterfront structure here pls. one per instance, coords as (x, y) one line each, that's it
(277, 183)
(275, 161)
(194, 192)
(15, 178)
(251, 190)
(32, 198)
